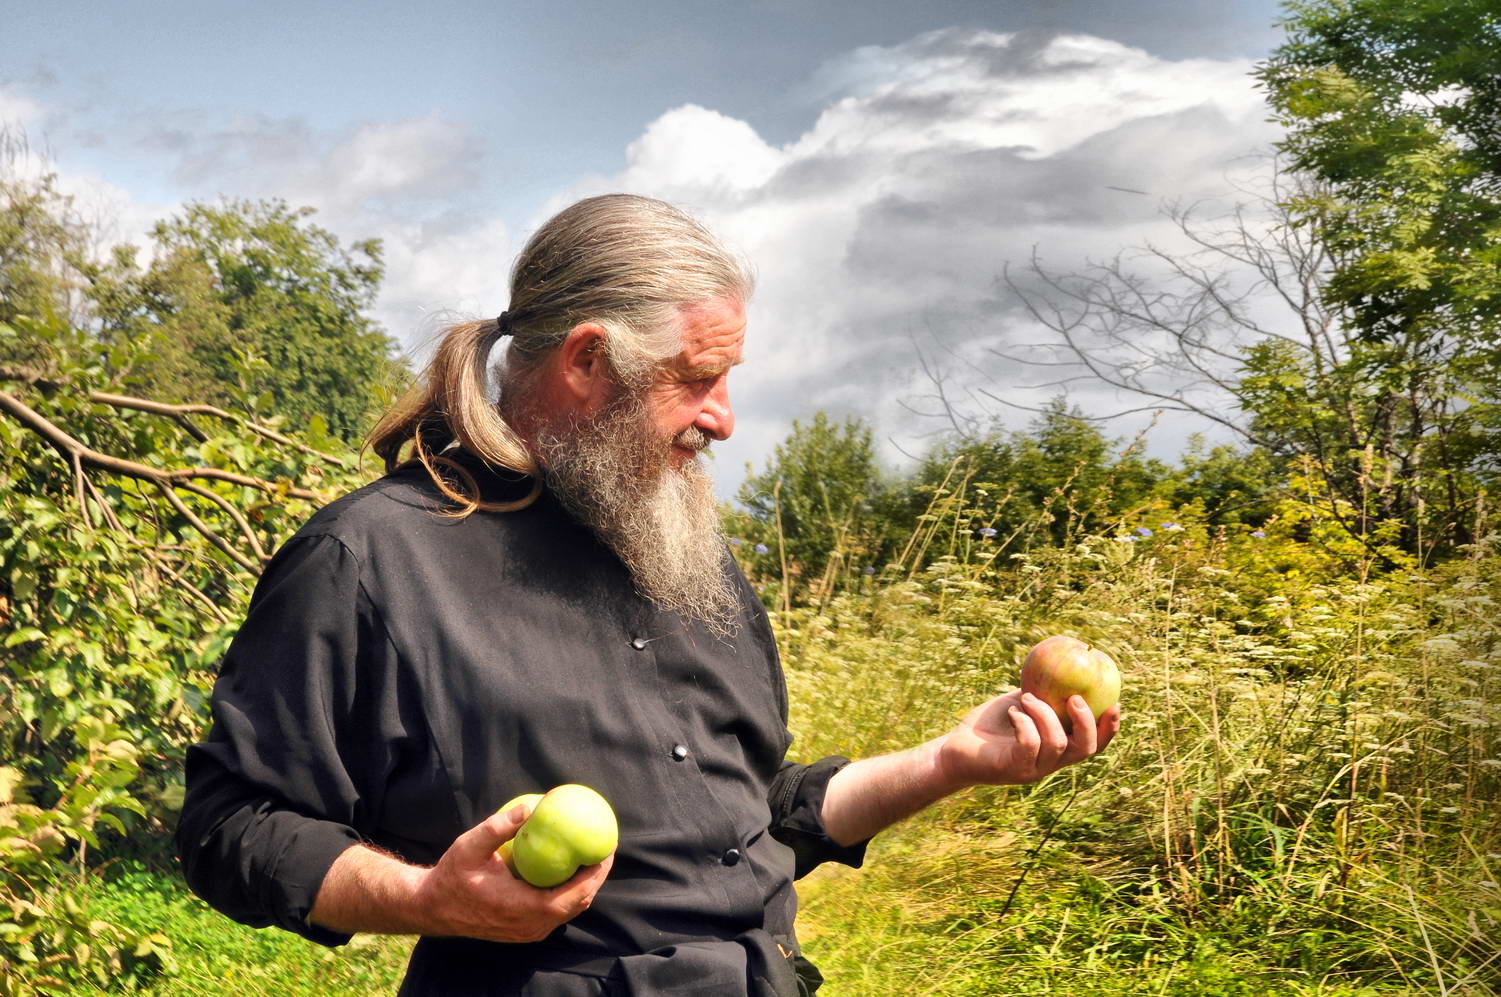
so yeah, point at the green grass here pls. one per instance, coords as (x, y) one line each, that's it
(1305, 798)
(215, 955)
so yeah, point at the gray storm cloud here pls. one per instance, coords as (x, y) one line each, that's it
(883, 229)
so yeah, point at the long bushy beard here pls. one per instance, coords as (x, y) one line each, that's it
(613, 472)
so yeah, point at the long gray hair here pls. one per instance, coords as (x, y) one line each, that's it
(628, 263)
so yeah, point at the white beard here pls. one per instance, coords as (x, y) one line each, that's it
(613, 472)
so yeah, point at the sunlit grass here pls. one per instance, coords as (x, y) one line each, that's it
(1303, 799)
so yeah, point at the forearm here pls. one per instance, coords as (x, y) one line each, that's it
(368, 890)
(869, 795)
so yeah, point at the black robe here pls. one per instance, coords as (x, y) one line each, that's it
(400, 675)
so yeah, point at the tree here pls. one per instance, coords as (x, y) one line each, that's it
(1058, 479)
(1395, 106)
(1358, 327)
(42, 243)
(255, 301)
(1238, 330)
(813, 505)
(131, 534)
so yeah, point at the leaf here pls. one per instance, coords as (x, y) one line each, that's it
(24, 635)
(11, 780)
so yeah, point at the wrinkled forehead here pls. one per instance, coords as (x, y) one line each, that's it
(713, 336)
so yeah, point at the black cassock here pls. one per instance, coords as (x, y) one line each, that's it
(402, 674)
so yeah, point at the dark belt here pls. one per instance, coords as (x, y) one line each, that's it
(754, 964)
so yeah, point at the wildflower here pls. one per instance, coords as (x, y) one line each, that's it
(987, 531)
(762, 549)
(735, 541)
(1125, 540)
(1259, 534)
(867, 571)
(1171, 528)
(1143, 531)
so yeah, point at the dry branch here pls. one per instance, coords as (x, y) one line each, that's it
(178, 412)
(79, 456)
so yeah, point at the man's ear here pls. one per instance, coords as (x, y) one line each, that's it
(583, 370)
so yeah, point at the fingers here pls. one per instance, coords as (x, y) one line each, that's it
(1024, 729)
(478, 844)
(1084, 741)
(568, 900)
(1053, 742)
(1110, 725)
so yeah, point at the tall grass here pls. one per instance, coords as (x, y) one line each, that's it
(1303, 798)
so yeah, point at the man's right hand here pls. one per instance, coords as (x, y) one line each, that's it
(472, 891)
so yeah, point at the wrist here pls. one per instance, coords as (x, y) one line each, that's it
(424, 894)
(369, 890)
(949, 769)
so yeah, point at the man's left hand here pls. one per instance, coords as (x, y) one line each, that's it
(1017, 738)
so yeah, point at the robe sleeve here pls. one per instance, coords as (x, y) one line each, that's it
(293, 764)
(796, 799)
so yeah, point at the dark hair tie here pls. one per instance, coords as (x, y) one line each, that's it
(503, 322)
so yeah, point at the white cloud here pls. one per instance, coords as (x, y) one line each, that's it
(405, 182)
(933, 163)
(886, 223)
(18, 112)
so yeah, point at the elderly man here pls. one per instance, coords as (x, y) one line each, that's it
(540, 594)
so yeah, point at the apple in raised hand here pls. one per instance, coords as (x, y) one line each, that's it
(570, 826)
(1060, 667)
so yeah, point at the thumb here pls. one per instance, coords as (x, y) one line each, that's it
(479, 843)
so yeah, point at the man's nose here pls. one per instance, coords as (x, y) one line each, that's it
(716, 418)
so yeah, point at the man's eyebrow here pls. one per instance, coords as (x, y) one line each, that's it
(712, 369)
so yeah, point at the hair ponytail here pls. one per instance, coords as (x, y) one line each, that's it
(448, 404)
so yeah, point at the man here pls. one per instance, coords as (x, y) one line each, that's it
(539, 596)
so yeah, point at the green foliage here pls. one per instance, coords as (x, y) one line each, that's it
(1060, 478)
(1396, 105)
(243, 304)
(814, 506)
(118, 591)
(1223, 485)
(41, 243)
(251, 300)
(1392, 109)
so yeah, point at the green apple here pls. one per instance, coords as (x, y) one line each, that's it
(1060, 667)
(570, 826)
(530, 799)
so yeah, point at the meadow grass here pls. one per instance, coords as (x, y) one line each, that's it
(1303, 799)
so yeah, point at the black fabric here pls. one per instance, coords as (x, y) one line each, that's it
(401, 674)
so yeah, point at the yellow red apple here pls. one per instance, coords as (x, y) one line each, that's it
(1061, 666)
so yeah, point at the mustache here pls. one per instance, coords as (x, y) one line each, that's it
(692, 438)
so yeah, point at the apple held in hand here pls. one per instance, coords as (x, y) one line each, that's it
(531, 800)
(1060, 667)
(570, 826)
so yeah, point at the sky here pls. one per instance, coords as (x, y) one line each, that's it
(880, 163)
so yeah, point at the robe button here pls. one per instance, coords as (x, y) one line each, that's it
(679, 752)
(639, 643)
(731, 857)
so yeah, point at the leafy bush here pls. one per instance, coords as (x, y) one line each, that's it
(129, 543)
